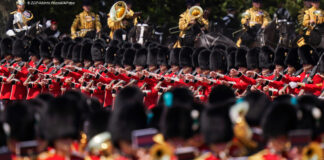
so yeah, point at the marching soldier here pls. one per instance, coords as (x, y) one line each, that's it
(186, 21)
(85, 22)
(312, 17)
(19, 20)
(127, 23)
(254, 16)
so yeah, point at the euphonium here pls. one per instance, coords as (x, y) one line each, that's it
(161, 150)
(196, 12)
(118, 11)
(312, 151)
(101, 145)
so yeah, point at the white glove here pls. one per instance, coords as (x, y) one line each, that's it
(293, 85)
(10, 33)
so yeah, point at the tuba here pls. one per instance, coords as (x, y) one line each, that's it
(118, 11)
(161, 150)
(196, 12)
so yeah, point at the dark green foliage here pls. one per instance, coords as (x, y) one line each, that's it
(160, 11)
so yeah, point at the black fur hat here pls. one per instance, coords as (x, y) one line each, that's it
(57, 51)
(125, 120)
(62, 119)
(140, 57)
(307, 55)
(65, 50)
(98, 123)
(292, 58)
(258, 104)
(266, 57)
(136, 46)
(174, 57)
(78, 39)
(22, 128)
(182, 97)
(111, 54)
(114, 43)
(66, 39)
(128, 95)
(85, 52)
(152, 56)
(221, 47)
(163, 56)
(34, 50)
(97, 52)
(52, 40)
(86, 41)
(230, 57)
(280, 56)
(312, 118)
(119, 57)
(217, 60)
(76, 53)
(19, 48)
(127, 45)
(252, 58)
(279, 120)
(6, 46)
(183, 128)
(216, 125)
(219, 94)
(69, 56)
(203, 59)
(195, 56)
(240, 57)
(185, 57)
(45, 49)
(128, 58)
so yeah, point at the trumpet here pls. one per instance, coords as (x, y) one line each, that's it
(118, 11)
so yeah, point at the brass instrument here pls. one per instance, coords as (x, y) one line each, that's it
(196, 12)
(118, 11)
(312, 151)
(242, 130)
(101, 145)
(161, 150)
(174, 30)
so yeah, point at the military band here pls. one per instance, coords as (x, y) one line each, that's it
(87, 97)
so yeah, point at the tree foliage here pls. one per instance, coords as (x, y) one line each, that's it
(160, 11)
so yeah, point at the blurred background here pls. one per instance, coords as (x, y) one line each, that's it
(161, 12)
